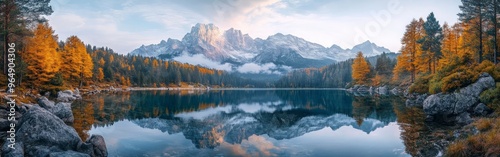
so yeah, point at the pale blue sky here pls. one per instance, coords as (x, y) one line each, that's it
(124, 25)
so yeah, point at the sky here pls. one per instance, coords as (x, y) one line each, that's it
(125, 25)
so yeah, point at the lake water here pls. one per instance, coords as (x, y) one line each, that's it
(251, 123)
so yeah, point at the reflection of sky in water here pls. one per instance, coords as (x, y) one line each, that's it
(125, 138)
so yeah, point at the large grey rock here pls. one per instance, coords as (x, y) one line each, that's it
(9, 152)
(64, 112)
(41, 130)
(452, 104)
(99, 146)
(43, 133)
(45, 103)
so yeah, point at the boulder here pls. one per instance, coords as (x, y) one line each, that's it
(41, 133)
(99, 146)
(64, 112)
(463, 118)
(481, 110)
(41, 130)
(65, 96)
(454, 104)
(45, 103)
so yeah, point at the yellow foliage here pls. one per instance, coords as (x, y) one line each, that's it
(40, 52)
(77, 63)
(360, 69)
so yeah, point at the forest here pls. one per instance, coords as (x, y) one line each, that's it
(42, 63)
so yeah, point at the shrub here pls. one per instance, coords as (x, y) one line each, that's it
(421, 84)
(435, 86)
(485, 143)
(457, 80)
(491, 97)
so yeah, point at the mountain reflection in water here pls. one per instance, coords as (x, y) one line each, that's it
(242, 123)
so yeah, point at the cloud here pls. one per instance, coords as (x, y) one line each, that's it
(255, 68)
(200, 59)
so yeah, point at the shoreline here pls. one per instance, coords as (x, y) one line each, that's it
(208, 89)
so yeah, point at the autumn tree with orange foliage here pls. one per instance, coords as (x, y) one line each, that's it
(40, 52)
(409, 60)
(360, 69)
(77, 63)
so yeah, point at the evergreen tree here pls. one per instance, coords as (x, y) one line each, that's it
(14, 16)
(431, 41)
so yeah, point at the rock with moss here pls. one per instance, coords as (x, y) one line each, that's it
(449, 107)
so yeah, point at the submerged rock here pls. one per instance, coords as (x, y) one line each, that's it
(454, 104)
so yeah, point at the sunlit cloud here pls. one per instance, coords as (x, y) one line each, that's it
(126, 25)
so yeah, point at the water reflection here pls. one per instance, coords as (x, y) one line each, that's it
(242, 123)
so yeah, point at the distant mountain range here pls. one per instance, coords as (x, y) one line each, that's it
(232, 50)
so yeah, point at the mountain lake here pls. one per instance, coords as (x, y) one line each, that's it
(253, 122)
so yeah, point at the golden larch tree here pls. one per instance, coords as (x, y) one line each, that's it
(360, 69)
(77, 63)
(411, 59)
(40, 54)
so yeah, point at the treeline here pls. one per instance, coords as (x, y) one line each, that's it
(128, 70)
(340, 75)
(47, 65)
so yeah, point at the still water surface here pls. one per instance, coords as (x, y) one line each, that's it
(250, 123)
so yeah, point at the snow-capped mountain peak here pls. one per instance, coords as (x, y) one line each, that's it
(234, 47)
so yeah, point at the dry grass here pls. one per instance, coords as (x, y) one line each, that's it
(486, 143)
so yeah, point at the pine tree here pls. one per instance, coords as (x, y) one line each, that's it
(431, 41)
(360, 69)
(40, 54)
(15, 15)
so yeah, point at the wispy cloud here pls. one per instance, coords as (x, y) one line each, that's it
(125, 25)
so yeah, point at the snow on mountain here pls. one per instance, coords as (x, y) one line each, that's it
(279, 51)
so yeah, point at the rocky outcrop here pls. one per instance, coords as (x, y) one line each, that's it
(68, 96)
(98, 145)
(63, 111)
(45, 103)
(450, 108)
(42, 133)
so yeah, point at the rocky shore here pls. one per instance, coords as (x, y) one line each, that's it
(44, 129)
(445, 108)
